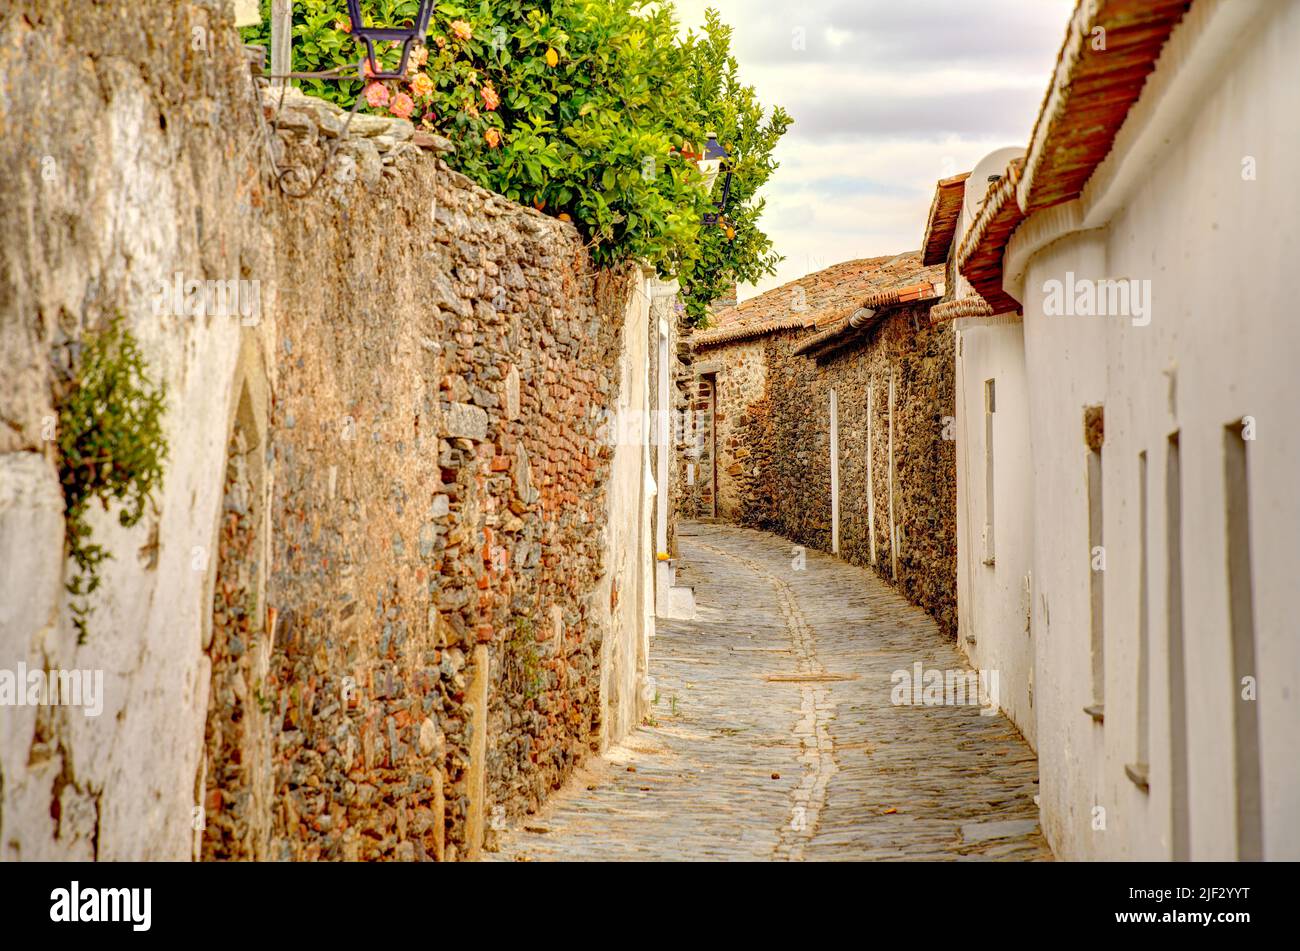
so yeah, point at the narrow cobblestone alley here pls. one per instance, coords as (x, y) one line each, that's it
(772, 734)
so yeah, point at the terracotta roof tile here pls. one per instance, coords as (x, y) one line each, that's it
(979, 256)
(818, 299)
(940, 227)
(844, 329)
(1092, 92)
(1086, 103)
(970, 306)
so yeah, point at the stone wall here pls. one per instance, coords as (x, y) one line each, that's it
(905, 371)
(438, 511)
(157, 175)
(371, 613)
(773, 445)
(696, 446)
(741, 387)
(681, 432)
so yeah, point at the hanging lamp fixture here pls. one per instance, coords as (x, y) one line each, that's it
(717, 158)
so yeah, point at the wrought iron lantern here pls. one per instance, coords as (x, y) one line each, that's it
(716, 158)
(407, 36)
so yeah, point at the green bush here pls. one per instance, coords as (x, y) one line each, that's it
(111, 448)
(590, 111)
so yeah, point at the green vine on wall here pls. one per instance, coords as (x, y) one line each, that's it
(111, 448)
(529, 677)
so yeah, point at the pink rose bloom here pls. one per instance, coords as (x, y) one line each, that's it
(402, 106)
(377, 95)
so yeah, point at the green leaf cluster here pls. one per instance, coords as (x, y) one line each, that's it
(591, 110)
(111, 449)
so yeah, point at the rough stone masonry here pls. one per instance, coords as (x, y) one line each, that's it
(759, 438)
(362, 620)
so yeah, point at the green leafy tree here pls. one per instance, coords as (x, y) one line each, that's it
(594, 112)
(736, 249)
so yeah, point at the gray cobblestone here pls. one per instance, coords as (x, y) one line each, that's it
(773, 734)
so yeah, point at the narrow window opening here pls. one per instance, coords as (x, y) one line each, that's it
(1179, 816)
(1241, 611)
(1094, 435)
(990, 407)
(1139, 770)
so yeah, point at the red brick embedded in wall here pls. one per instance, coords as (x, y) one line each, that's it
(446, 520)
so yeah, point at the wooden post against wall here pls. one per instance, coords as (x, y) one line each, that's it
(281, 39)
(893, 525)
(835, 474)
(476, 781)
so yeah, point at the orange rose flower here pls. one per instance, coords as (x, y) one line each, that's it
(461, 29)
(490, 98)
(422, 86)
(492, 137)
(402, 106)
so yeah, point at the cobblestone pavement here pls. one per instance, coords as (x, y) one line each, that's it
(773, 735)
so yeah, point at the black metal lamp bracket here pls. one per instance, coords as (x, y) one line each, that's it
(369, 35)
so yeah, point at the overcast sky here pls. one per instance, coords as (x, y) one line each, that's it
(888, 96)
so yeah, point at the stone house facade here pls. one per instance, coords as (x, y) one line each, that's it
(823, 413)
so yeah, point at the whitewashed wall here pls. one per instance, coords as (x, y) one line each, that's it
(124, 780)
(627, 589)
(1172, 205)
(992, 604)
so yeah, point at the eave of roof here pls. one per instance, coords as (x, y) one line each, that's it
(841, 332)
(979, 256)
(941, 224)
(970, 306)
(1087, 102)
(726, 335)
(827, 297)
(1092, 92)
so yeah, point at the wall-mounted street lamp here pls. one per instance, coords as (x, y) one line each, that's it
(715, 160)
(404, 35)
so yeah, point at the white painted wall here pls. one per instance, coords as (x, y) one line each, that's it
(992, 605)
(134, 765)
(626, 592)
(1170, 205)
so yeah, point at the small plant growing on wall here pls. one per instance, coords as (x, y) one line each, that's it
(111, 449)
(527, 676)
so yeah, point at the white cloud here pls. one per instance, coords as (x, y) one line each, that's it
(887, 98)
(837, 38)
